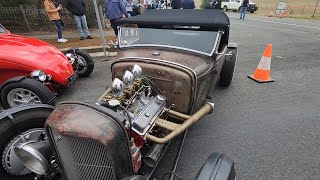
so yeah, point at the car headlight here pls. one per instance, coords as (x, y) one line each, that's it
(117, 86)
(70, 56)
(136, 71)
(128, 78)
(39, 75)
(35, 155)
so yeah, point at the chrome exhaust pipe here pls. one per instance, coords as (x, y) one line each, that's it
(153, 155)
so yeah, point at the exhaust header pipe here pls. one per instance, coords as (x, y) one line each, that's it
(177, 129)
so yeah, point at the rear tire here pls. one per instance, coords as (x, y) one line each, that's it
(36, 90)
(228, 68)
(251, 11)
(11, 127)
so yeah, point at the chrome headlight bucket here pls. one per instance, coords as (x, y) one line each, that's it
(38, 75)
(71, 57)
(35, 156)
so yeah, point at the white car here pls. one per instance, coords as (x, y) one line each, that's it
(236, 4)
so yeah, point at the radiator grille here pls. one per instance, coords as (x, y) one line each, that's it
(84, 159)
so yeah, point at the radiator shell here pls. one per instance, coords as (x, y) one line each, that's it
(89, 142)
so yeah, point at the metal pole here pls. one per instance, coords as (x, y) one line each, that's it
(25, 17)
(103, 40)
(315, 9)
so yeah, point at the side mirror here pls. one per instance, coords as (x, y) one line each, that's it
(217, 167)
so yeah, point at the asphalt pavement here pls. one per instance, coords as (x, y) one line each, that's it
(270, 130)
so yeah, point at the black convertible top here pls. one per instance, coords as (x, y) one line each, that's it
(185, 17)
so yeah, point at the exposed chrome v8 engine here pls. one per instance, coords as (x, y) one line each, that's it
(136, 101)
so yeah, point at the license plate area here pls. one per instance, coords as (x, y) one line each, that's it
(72, 78)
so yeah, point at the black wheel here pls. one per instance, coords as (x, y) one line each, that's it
(26, 91)
(228, 68)
(251, 11)
(225, 8)
(235, 10)
(22, 126)
(85, 63)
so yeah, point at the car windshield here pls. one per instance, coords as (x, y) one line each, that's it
(203, 42)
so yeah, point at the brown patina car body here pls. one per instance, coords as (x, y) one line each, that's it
(167, 65)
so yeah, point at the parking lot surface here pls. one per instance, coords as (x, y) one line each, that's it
(270, 130)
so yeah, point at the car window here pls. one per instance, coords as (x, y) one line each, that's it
(203, 42)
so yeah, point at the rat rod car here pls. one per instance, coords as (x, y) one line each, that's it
(31, 70)
(168, 62)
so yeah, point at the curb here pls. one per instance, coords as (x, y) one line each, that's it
(96, 51)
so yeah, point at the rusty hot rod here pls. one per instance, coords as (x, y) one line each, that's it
(167, 64)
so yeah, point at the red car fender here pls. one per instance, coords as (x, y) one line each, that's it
(15, 79)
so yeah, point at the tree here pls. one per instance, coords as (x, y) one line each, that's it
(205, 4)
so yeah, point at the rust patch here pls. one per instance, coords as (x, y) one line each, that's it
(80, 121)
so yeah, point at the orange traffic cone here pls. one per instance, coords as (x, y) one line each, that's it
(262, 73)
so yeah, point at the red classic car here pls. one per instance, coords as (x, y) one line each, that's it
(31, 70)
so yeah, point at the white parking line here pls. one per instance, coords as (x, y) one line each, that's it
(283, 23)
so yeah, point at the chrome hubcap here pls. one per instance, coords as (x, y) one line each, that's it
(21, 96)
(10, 161)
(83, 64)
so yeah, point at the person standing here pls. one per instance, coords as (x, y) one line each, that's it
(54, 16)
(188, 4)
(176, 4)
(115, 10)
(78, 8)
(243, 8)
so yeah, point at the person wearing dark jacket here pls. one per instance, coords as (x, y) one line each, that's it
(78, 8)
(243, 8)
(188, 4)
(176, 4)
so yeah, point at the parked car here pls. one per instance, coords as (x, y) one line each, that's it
(166, 67)
(31, 70)
(236, 4)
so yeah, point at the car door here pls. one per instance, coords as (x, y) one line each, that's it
(232, 4)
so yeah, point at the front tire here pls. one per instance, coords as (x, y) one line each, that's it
(251, 11)
(85, 63)
(228, 68)
(25, 91)
(24, 125)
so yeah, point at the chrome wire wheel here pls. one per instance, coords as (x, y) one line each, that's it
(21, 96)
(10, 161)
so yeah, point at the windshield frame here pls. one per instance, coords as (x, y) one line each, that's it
(214, 48)
(5, 30)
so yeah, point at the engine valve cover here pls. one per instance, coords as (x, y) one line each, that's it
(148, 115)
